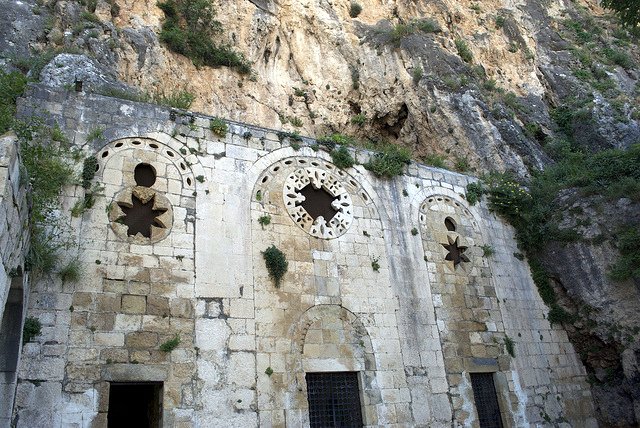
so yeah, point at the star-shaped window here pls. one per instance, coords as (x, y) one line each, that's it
(318, 202)
(455, 251)
(140, 216)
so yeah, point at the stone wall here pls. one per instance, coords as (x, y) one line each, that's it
(14, 223)
(395, 286)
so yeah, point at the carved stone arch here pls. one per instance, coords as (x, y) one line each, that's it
(137, 213)
(342, 345)
(266, 165)
(451, 230)
(293, 174)
(171, 151)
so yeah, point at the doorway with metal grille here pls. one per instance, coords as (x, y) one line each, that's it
(334, 400)
(486, 399)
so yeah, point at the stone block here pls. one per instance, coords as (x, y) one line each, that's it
(157, 305)
(82, 301)
(141, 340)
(181, 308)
(134, 304)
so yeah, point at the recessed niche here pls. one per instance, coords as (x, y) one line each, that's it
(450, 224)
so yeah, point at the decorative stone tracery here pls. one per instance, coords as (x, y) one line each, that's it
(331, 201)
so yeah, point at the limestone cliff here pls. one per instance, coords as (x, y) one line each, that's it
(480, 88)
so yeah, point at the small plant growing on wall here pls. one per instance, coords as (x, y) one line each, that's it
(89, 171)
(510, 345)
(170, 344)
(218, 127)
(487, 250)
(414, 231)
(375, 265)
(32, 328)
(264, 220)
(71, 272)
(276, 263)
(474, 193)
(389, 161)
(268, 371)
(342, 158)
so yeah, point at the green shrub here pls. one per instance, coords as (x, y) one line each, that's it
(12, 86)
(296, 121)
(400, 31)
(389, 161)
(510, 346)
(461, 164)
(464, 51)
(427, 26)
(32, 328)
(417, 74)
(436, 161)
(375, 264)
(179, 99)
(619, 58)
(342, 158)
(91, 17)
(627, 266)
(89, 171)
(49, 169)
(264, 220)
(276, 263)
(189, 28)
(170, 344)
(500, 21)
(359, 119)
(71, 272)
(354, 9)
(474, 192)
(487, 250)
(95, 134)
(218, 127)
(331, 141)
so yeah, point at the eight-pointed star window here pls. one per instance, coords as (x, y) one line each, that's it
(140, 216)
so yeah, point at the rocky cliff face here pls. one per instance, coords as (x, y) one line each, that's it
(315, 69)
(476, 86)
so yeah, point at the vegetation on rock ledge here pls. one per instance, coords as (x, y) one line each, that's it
(189, 29)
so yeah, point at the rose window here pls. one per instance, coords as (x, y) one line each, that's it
(318, 203)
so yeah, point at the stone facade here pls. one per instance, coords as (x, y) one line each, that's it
(395, 286)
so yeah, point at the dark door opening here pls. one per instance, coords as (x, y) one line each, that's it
(334, 400)
(484, 393)
(135, 404)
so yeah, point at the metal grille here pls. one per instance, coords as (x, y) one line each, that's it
(484, 392)
(334, 400)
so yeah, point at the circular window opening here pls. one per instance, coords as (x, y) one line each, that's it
(144, 175)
